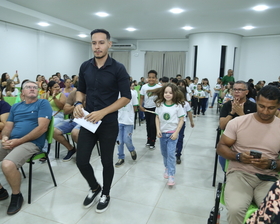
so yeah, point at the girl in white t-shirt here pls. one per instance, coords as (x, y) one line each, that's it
(169, 120)
(198, 96)
(10, 89)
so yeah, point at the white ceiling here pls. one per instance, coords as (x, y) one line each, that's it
(151, 18)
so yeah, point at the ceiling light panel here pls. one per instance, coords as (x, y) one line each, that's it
(82, 35)
(102, 14)
(176, 10)
(187, 28)
(248, 27)
(43, 24)
(260, 8)
(131, 29)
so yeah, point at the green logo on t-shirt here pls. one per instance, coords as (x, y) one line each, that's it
(166, 116)
(149, 94)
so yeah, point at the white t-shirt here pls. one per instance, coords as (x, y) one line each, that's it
(187, 108)
(218, 86)
(169, 116)
(126, 114)
(15, 93)
(199, 93)
(206, 88)
(188, 93)
(193, 87)
(149, 101)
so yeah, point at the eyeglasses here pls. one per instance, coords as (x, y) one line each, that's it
(31, 87)
(239, 90)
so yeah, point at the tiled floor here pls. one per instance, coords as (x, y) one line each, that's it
(139, 192)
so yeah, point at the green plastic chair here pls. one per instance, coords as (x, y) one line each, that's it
(39, 155)
(10, 100)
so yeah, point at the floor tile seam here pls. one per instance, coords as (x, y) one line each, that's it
(137, 203)
(155, 206)
(43, 217)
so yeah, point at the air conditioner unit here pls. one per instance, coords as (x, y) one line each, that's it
(123, 47)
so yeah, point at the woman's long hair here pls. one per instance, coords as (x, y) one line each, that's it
(178, 97)
(8, 87)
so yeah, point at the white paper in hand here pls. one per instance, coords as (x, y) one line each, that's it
(86, 124)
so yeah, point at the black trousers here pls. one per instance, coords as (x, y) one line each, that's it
(196, 105)
(106, 134)
(151, 126)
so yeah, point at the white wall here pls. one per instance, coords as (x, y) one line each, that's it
(33, 52)
(209, 54)
(260, 58)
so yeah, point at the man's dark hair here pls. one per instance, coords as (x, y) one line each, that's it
(189, 78)
(250, 80)
(242, 82)
(175, 81)
(108, 36)
(152, 71)
(178, 75)
(165, 79)
(269, 92)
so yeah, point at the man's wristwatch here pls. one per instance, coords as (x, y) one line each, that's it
(237, 157)
(231, 114)
(77, 103)
(273, 164)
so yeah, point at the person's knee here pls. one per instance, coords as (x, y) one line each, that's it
(235, 211)
(8, 166)
(56, 133)
(75, 134)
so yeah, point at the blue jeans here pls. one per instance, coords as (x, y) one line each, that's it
(125, 137)
(214, 97)
(180, 142)
(168, 148)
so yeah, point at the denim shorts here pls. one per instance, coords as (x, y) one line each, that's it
(67, 126)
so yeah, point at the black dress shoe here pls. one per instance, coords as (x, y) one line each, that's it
(15, 205)
(4, 194)
(178, 161)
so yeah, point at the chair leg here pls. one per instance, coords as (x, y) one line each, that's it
(57, 149)
(217, 202)
(30, 180)
(51, 171)
(216, 157)
(23, 173)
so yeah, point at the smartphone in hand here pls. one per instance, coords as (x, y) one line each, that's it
(256, 154)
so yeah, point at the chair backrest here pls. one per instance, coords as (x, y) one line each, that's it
(49, 135)
(10, 100)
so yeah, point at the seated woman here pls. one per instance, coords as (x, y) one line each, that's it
(75, 81)
(4, 113)
(68, 89)
(39, 81)
(10, 89)
(44, 88)
(5, 76)
(57, 101)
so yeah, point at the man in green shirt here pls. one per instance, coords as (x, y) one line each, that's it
(228, 78)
